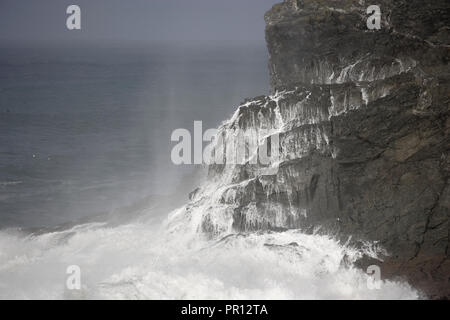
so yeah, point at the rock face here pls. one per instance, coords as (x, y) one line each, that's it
(362, 121)
(388, 129)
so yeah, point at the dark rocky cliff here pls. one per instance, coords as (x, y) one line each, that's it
(388, 178)
(362, 118)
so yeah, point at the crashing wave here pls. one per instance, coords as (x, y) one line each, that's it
(140, 261)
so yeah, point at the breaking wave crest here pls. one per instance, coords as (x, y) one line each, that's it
(141, 261)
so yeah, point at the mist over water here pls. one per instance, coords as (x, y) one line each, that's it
(85, 131)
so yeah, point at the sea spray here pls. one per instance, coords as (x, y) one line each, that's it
(142, 261)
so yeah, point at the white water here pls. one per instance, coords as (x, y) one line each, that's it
(149, 260)
(138, 261)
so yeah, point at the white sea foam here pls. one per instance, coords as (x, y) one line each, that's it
(143, 260)
(138, 261)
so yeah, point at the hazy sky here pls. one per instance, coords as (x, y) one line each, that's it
(146, 21)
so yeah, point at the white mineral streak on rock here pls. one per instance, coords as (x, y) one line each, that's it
(366, 69)
(213, 206)
(298, 117)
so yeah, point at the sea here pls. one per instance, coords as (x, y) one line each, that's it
(87, 185)
(86, 131)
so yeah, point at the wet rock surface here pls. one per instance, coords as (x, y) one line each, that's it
(388, 177)
(363, 126)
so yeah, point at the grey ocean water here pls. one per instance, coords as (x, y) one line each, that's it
(85, 132)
